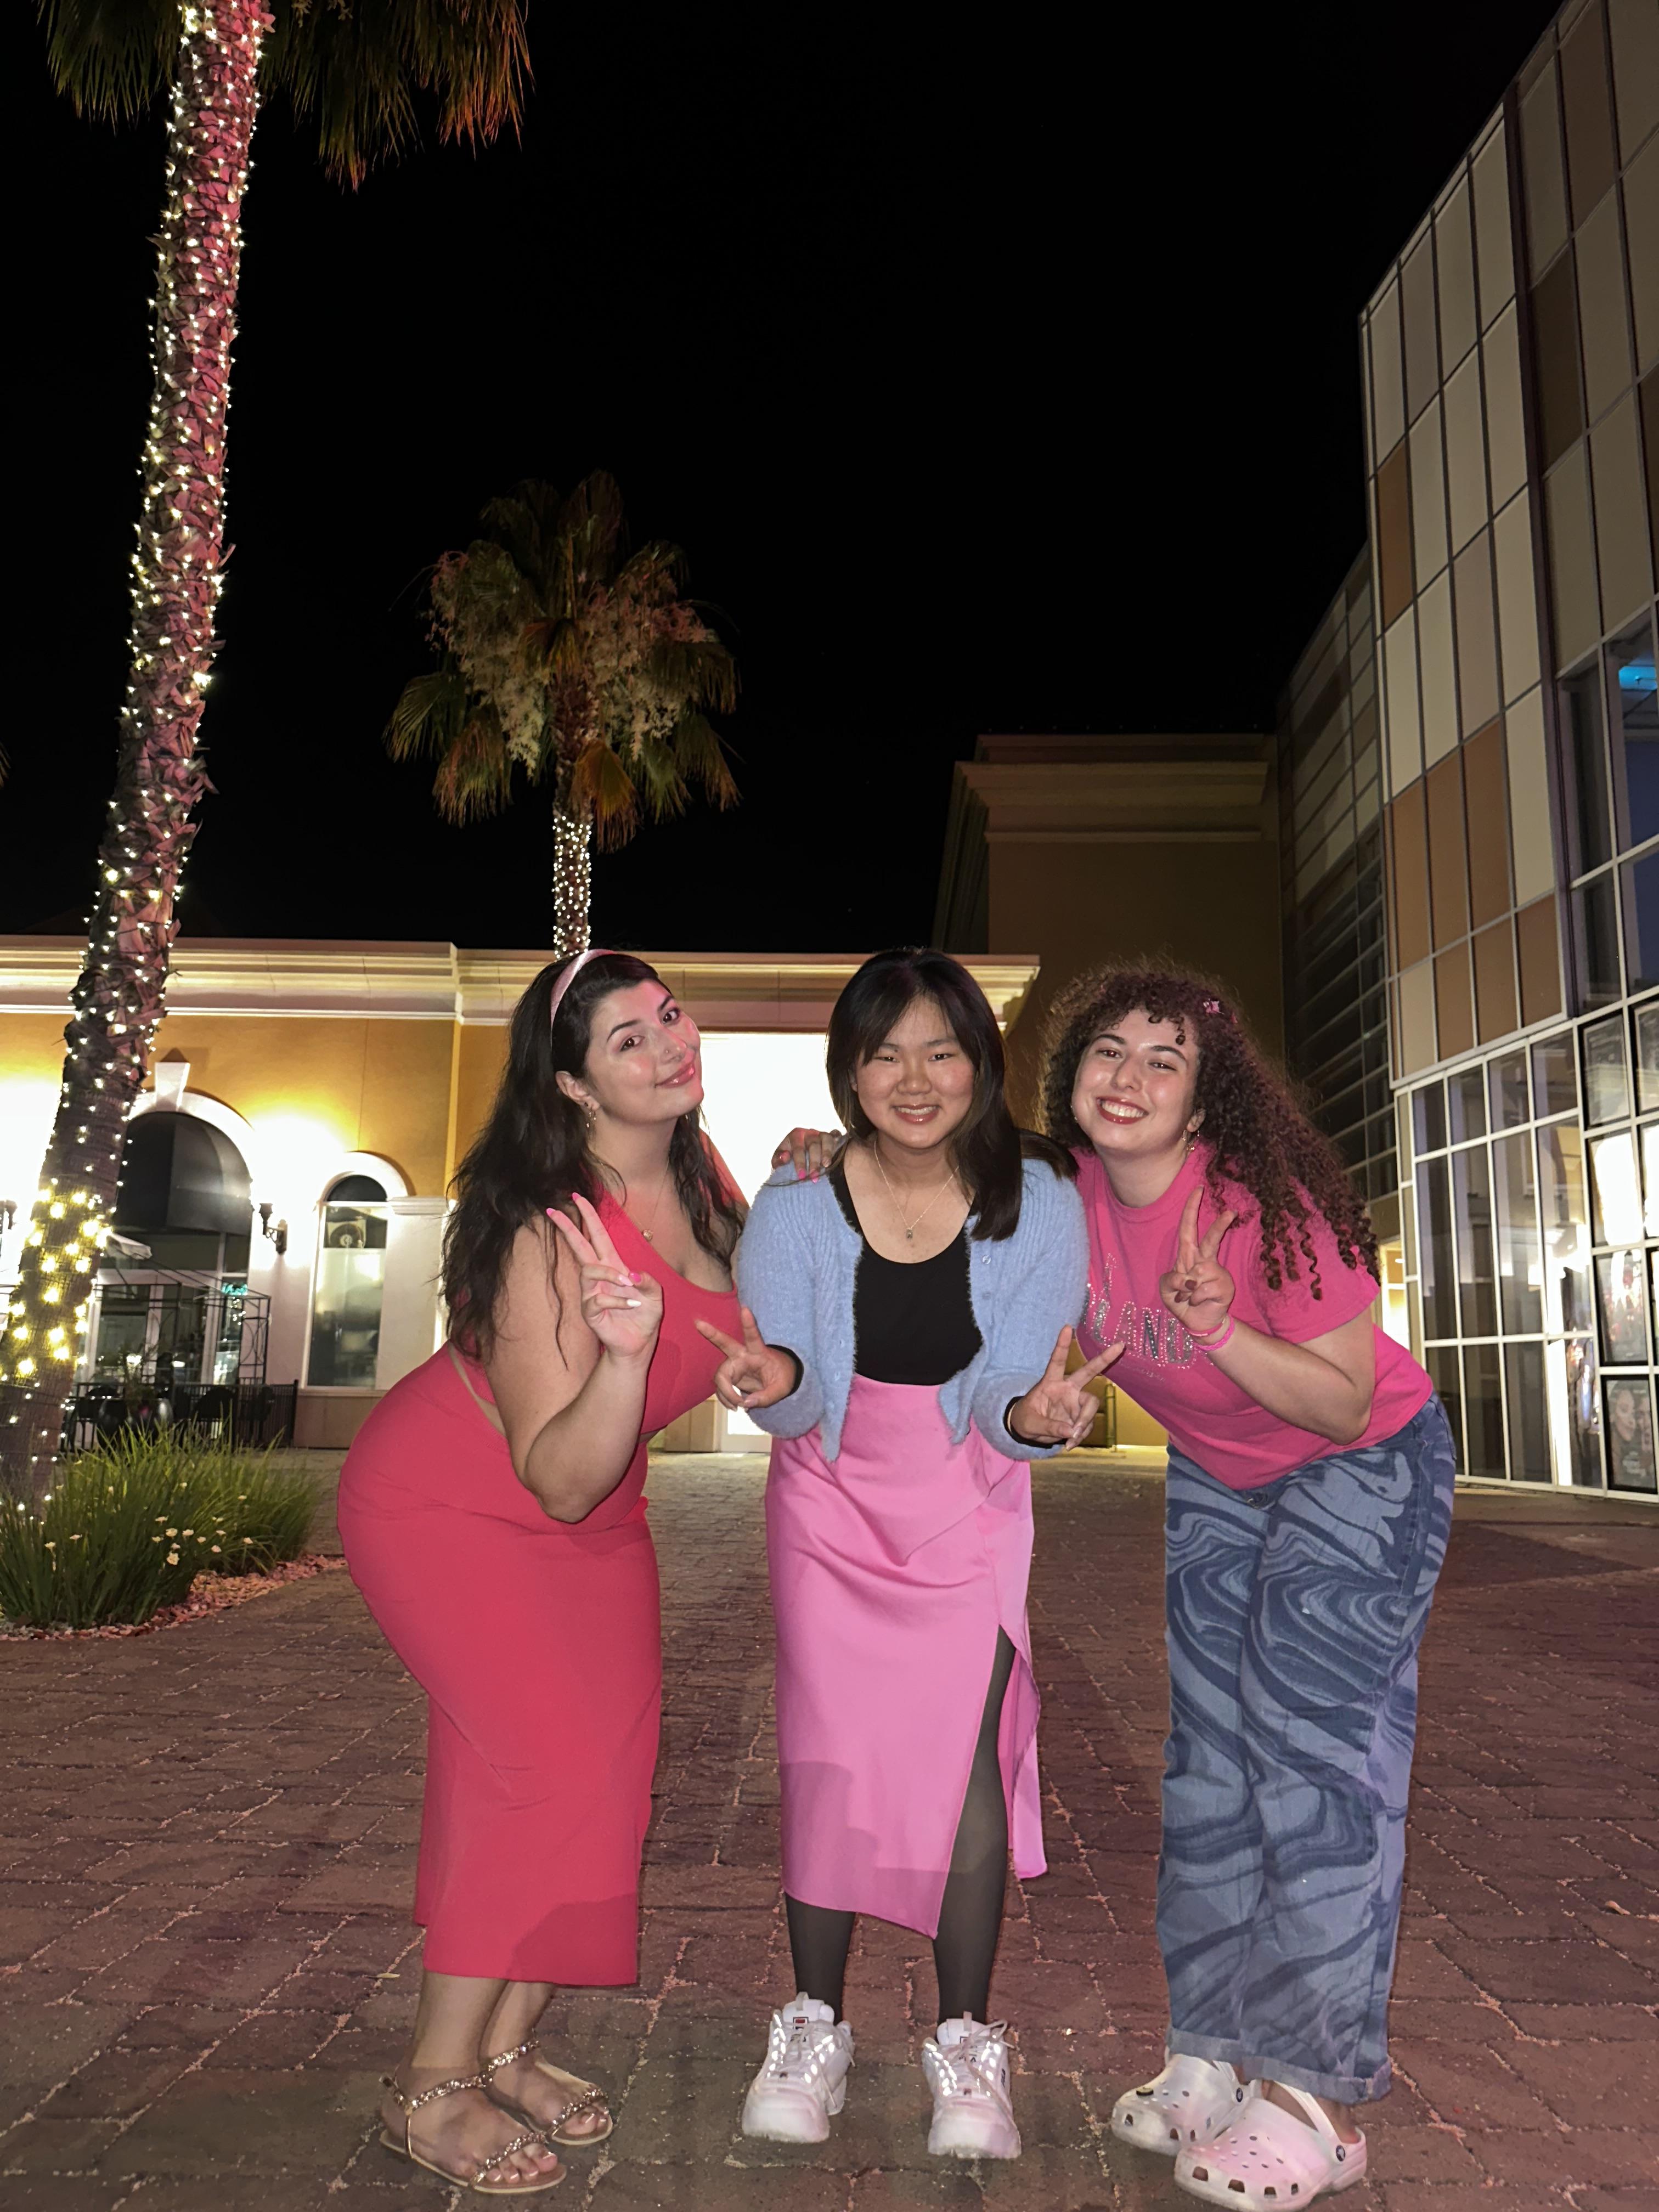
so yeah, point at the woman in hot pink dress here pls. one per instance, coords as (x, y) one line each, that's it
(493, 1517)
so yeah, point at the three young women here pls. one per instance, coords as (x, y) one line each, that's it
(493, 1516)
(906, 1323)
(1308, 1500)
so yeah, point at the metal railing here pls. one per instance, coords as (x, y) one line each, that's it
(248, 1415)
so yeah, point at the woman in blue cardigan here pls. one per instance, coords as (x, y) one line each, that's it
(907, 1319)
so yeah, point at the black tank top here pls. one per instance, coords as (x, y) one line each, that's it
(913, 1321)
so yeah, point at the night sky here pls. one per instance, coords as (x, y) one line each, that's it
(992, 381)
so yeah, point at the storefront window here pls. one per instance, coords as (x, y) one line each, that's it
(1435, 1237)
(350, 1284)
(1612, 1184)
(1519, 1270)
(1606, 1080)
(1472, 1192)
(1566, 1229)
(1483, 1400)
(1631, 1464)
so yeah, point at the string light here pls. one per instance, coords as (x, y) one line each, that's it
(176, 577)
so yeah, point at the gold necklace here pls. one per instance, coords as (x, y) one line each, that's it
(910, 1227)
(657, 1205)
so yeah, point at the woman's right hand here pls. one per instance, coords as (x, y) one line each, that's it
(623, 1309)
(808, 1151)
(753, 1373)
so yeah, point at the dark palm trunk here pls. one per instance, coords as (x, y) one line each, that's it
(160, 774)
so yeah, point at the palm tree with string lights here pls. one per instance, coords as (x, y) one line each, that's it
(564, 657)
(353, 72)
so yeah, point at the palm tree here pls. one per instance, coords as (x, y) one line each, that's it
(352, 70)
(563, 656)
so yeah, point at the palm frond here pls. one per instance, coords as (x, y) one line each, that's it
(701, 668)
(665, 564)
(662, 786)
(428, 716)
(353, 68)
(590, 526)
(523, 524)
(700, 757)
(600, 787)
(110, 57)
(475, 777)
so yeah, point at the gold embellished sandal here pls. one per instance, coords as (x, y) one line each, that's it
(410, 2105)
(582, 2097)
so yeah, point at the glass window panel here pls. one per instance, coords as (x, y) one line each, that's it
(1477, 635)
(1454, 253)
(1494, 254)
(1630, 1432)
(1583, 1412)
(1617, 1211)
(1520, 1266)
(1641, 198)
(1445, 1371)
(1589, 839)
(1388, 389)
(1624, 564)
(1634, 24)
(345, 1312)
(1466, 1098)
(1595, 941)
(1635, 709)
(1517, 601)
(1555, 353)
(1408, 1225)
(1545, 182)
(1436, 1266)
(1561, 1192)
(1649, 1136)
(1621, 1296)
(1573, 593)
(1530, 1436)
(1609, 368)
(1647, 1061)
(1639, 881)
(1552, 1080)
(1476, 1274)
(1507, 1076)
(1428, 495)
(1465, 455)
(1438, 669)
(1483, 1413)
(1429, 1118)
(1606, 1074)
(1417, 312)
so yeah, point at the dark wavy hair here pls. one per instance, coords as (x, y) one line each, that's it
(532, 1152)
(1255, 1125)
(989, 1145)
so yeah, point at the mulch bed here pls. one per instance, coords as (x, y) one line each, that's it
(208, 1594)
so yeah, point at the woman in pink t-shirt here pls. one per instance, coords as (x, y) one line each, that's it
(1308, 1501)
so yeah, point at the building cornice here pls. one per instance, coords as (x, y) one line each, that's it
(286, 978)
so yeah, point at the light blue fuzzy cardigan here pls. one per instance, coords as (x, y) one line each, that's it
(795, 1269)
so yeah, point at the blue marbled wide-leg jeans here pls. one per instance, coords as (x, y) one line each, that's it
(1295, 1613)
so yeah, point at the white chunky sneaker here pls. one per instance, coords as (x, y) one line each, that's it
(1190, 2102)
(967, 2070)
(802, 2083)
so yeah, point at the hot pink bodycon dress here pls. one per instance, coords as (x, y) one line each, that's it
(538, 1645)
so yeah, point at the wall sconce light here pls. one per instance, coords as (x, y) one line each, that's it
(276, 1232)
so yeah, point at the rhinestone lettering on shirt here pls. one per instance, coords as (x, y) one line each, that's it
(1146, 1333)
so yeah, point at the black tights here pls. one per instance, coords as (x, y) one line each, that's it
(970, 1915)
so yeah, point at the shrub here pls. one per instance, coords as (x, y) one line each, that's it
(127, 1528)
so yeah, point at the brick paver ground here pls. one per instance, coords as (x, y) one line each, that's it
(210, 1836)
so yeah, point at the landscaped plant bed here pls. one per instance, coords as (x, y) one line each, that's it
(208, 1594)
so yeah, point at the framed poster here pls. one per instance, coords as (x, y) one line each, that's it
(1631, 1463)
(1622, 1294)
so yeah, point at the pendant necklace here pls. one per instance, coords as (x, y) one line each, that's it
(910, 1227)
(656, 1207)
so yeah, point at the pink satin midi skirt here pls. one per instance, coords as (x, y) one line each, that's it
(893, 1568)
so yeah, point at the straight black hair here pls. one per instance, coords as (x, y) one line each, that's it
(989, 1145)
(532, 1152)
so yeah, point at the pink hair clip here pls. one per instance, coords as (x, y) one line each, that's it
(593, 952)
(1212, 1005)
(1215, 1006)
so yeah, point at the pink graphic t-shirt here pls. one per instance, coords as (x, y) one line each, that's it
(1212, 1419)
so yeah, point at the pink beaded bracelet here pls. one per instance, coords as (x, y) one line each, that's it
(1214, 1343)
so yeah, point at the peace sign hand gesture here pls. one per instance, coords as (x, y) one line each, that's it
(623, 1310)
(1198, 1290)
(752, 1373)
(1058, 1410)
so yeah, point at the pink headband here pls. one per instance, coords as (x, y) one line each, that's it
(593, 952)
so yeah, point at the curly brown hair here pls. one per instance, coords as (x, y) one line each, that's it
(1258, 1131)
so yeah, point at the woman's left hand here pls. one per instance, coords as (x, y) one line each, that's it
(1198, 1290)
(1058, 1410)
